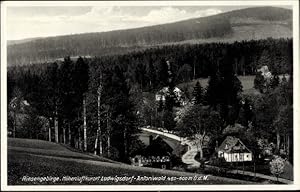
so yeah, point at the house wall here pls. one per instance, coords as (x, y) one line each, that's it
(159, 97)
(247, 156)
(235, 157)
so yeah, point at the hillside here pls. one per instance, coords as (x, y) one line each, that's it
(36, 158)
(245, 24)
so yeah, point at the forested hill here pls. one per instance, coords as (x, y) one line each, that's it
(244, 24)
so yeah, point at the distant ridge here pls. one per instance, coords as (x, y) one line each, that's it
(238, 25)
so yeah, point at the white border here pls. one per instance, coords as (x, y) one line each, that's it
(4, 186)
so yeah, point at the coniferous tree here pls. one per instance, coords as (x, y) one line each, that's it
(66, 110)
(151, 73)
(122, 119)
(259, 82)
(264, 59)
(163, 74)
(80, 81)
(274, 81)
(51, 97)
(198, 94)
(214, 90)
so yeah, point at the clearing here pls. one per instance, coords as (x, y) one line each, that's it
(247, 83)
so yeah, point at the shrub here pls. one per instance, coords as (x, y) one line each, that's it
(277, 166)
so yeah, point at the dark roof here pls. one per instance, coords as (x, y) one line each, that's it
(233, 128)
(232, 144)
(158, 147)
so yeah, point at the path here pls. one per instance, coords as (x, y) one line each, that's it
(187, 158)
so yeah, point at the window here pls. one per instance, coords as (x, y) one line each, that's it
(226, 146)
(241, 155)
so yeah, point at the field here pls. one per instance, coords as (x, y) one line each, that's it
(34, 158)
(247, 83)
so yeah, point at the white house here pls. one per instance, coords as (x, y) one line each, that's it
(265, 72)
(161, 95)
(234, 150)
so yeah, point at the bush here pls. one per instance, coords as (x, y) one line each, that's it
(219, 162)
(277, 166)
(176, 161)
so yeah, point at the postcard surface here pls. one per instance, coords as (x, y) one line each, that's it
(152, 95)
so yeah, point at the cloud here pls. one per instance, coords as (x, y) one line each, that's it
(97, 19)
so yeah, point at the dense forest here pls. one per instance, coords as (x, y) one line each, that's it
(123, 41)
(77, 97)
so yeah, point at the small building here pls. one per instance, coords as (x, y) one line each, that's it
(233, 149)
(233, 129)
(161, 95)
(162, 162)
(157, 154)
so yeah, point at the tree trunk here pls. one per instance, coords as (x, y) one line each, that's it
(64, 135)
(194, 73)
(96, 142)
(15, 124)
(108, 145)
(56, 127)
(278, 140)
(84, 124)
(99, 124)
(69, 132)
(288, 145)
(49, 133)
(108, 133)
(236, 66)
(125, 142)
(79, 139)
(284, 142)
(200, 152)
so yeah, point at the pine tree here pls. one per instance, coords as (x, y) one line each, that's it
(214, 90)
(151, 73)
(80, 82)
(66, 109)
(264, 59)
(259, 82)
(163, 74)
(274, 81)
(198, 94)
(51, 97)
(121, 121)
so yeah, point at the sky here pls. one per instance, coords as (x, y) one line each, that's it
(44, 21)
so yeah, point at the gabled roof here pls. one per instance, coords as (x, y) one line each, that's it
(232, 144)
(165, 91)
(233, 128)
(158, 147)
